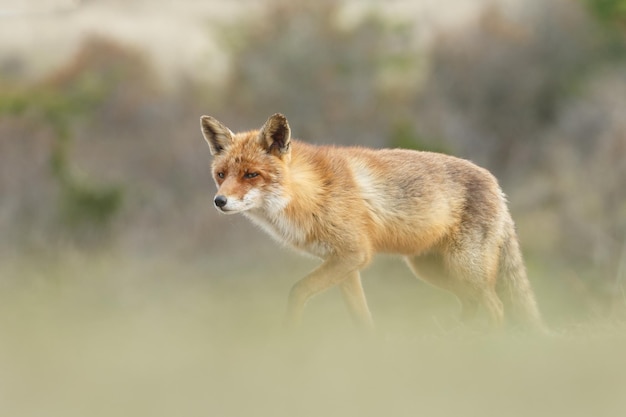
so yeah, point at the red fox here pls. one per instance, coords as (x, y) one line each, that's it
(445, 215)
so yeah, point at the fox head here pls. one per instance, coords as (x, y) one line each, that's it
(248, 167)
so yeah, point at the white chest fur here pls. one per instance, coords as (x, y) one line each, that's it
(288, 232)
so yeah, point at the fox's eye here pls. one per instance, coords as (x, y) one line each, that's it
(220, 175)
(250, 175)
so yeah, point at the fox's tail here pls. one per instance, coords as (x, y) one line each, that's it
(513, 285)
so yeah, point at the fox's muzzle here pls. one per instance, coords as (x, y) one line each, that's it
(233, 203)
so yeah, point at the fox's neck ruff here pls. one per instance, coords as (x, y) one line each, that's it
(277, 223)
(287, 211)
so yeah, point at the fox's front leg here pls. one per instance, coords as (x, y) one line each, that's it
(330, 273)
(354, 296)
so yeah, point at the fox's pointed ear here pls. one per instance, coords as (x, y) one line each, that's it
(218, 136)
(275, 135)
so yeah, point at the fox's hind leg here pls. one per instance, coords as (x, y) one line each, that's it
(354, 296)
(432, 269)
(477, 272)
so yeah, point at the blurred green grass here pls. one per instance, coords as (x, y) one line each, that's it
(104, 335)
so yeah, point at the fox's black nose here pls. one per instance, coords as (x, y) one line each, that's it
(220, 201)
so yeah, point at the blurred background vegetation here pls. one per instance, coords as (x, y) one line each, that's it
(110, 246)
(100, 149)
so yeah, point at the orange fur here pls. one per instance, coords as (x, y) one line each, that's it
(447, 216)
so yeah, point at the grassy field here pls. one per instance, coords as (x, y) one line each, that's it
(104, 335)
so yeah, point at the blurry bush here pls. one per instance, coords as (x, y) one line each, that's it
(611, 12)
(100, 153)
(583, 182)
(496, 85)
(337, 80)
(76, 206)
